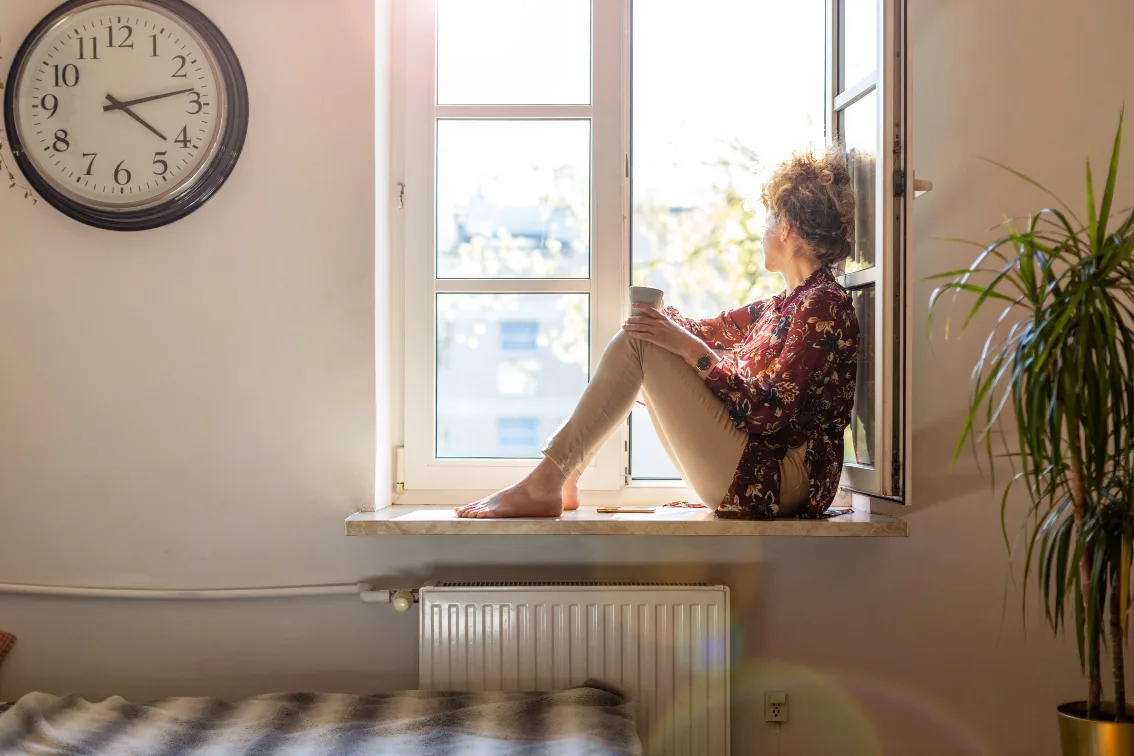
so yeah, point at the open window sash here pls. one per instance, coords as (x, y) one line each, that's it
(867, 114)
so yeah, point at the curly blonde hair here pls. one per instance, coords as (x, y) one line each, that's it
(812, 191)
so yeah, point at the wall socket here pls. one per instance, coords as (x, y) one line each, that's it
(775, 706)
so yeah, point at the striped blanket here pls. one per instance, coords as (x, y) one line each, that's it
(589, 720)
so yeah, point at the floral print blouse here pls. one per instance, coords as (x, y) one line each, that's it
(787, 377)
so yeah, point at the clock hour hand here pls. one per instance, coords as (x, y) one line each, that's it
(116, 105)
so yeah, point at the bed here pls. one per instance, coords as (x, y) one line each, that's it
(590, 720)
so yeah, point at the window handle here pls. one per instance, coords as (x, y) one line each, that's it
(921, 186)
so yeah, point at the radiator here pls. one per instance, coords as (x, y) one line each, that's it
(668, 645)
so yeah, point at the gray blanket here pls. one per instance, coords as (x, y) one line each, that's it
(590, 721)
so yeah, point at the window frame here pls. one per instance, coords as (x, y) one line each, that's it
(887, 478)
(416, 114)
(607, 281)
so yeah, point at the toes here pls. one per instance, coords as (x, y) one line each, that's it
(468, 509)
(482, 508)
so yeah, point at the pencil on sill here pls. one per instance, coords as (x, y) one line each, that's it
(624, 510)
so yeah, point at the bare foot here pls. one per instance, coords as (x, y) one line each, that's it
(571, 493)
(540, 494)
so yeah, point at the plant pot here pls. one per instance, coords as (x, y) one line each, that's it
(1095, 737)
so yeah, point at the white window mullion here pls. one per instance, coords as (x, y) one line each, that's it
(610, 248)
(860, 278)
(512, 286)
(514, 111)
(856, 92)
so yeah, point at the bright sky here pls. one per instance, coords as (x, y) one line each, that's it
(706, 73)
(732, 70)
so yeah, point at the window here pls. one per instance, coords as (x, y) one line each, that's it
(557, 151)
(866, 107)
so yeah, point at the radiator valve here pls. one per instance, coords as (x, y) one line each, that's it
(402, 600)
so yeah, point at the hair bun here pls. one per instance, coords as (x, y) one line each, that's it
(813, 193)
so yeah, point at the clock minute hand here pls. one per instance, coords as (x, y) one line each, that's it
(116, 105)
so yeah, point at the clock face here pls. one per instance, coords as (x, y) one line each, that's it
(123, 106)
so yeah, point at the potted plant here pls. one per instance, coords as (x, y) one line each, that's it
(1060, 358)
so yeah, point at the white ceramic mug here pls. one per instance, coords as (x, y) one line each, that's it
(646, 295)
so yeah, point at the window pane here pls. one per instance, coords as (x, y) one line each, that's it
(858, 36)
(518, 436)
(513, 52)
(707, 116)
(513, 199)
(859, 436)
(510, 368)
(858, 125)
(648, 460)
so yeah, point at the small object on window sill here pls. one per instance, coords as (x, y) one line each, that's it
(624, 510)
(687, 504)
(836, 512)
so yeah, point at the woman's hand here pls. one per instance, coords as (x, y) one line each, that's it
(658, 328)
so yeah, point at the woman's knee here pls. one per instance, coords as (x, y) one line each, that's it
(623, 342)
(651, 356)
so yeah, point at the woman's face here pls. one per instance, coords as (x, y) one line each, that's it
(776, 253)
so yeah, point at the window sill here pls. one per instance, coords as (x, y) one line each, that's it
(441, 520)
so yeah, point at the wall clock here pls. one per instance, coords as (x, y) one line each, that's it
(126, 114)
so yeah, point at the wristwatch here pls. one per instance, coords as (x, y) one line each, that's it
(704, 363)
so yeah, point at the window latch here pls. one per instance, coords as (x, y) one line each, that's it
(920, 186)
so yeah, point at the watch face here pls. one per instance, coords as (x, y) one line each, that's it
(122, 108)
(704, 363)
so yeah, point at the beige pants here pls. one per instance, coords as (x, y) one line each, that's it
(692, 423)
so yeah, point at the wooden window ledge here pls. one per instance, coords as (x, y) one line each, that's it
(441, 520)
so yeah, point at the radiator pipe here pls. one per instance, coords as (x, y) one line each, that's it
(363, 590)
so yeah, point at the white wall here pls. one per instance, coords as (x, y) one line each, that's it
(194, 406)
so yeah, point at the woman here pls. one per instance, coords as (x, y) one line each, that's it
(751, 405)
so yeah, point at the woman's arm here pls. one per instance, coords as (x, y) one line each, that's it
(726, 330)
(821, 329)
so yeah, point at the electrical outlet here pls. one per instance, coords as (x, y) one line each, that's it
(775, 706)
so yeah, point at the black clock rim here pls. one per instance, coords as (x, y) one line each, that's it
(206, 185)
